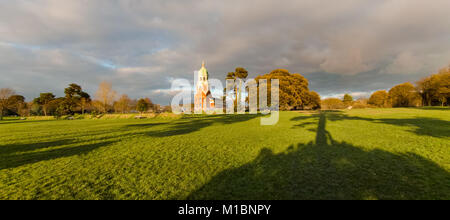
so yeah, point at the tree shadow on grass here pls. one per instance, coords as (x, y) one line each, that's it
(146, 125)
(433, 127)
(17, 148)
(17, 121)
(10, 158)
(328, 169)
(423, 125)
(439, 108)
(189, 124)
(14, 155)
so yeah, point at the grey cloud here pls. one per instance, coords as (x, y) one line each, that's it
(350, 46)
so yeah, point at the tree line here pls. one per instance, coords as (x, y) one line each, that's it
(433, 90)
(294, 92)
(75, 101)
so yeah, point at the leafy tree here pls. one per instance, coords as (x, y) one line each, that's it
(348, 99)
(142, 106)
(25, 109)
(44, 100)
(72, 90)
(233, 93)
(444, 86)
(314, 101)
(5, 94)
(85, 100)
(17, 103)
(379, 99)
(231, 75)
(15, 99)
(75, 97)
(59, 107)
(242, 74)
(404, 95)
(294, 92)
(35, 108)
(427, 89)
(239, 73)
(444, 94)
(435, 89)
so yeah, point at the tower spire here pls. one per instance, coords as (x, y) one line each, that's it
(203, 63)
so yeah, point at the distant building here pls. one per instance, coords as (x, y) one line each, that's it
(203, 98)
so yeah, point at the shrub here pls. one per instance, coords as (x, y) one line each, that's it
(332, 103)
(360, 105)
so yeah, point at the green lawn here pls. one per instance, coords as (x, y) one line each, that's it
(356, 154)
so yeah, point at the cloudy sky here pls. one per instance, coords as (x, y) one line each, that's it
(141, 46)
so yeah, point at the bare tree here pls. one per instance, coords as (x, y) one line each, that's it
(5, 94)
(106, 95)
(123, 104)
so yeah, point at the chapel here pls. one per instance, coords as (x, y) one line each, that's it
(203, 98)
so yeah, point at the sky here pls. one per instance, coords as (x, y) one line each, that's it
(345, 46)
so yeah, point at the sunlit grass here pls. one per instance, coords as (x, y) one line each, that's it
(356, 154)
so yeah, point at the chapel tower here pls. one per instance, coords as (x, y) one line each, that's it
(203, 99)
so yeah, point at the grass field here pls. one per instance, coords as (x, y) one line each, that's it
(356, 154)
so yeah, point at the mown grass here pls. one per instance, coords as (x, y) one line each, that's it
(356, 154)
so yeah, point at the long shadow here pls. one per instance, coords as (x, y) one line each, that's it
(189, 124)
(14, 155)
(145, 125)
(428, 126)
(16, 160)
(18, 154)
(16, 148)
(438, 108)
(17, 121)
(326, 169)
(423, 125)
(420, 125)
